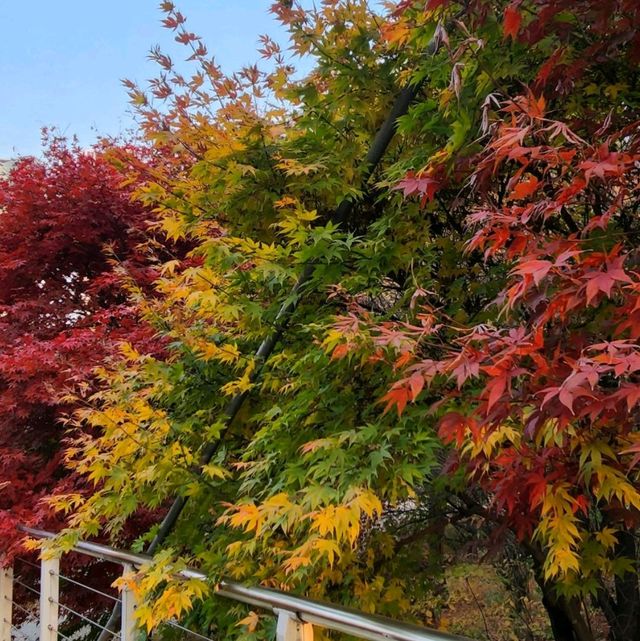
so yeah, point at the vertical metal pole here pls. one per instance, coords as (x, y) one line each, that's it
(127, 619)
(49, 596)
(6, 602)
(290, 628)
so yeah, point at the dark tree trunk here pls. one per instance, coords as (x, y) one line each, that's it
(625, 625)
(560, 623)
(565, 616)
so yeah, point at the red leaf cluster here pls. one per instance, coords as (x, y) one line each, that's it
(65, 222)
(555, 207)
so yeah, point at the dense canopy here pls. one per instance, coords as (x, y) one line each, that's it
(451, 360)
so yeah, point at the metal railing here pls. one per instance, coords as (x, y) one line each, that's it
(296, 616)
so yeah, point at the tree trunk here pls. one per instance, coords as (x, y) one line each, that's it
(626, 623)
(567, 622)
(560, 622)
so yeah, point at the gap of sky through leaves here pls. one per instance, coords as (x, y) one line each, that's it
(61, 62)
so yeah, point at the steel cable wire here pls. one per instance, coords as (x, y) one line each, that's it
(33, 565)
(26, 587)
(175, 624)
(23, 609)
(66, 608)
(88, 587)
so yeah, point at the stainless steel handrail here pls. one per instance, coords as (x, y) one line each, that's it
(346, 620)
(96, 550)
(339, 618)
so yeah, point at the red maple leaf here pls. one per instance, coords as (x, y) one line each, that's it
(434, 4)
(603, 281)
(422, 184)
(537, 269)
(525, 188)
(512, 21)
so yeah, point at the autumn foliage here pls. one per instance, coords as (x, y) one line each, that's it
(461, 376)
(65, 222)
(540, 399)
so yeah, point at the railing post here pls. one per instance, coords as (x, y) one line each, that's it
(291, 628)
(6, 602)
(49, 596)
(127, 618)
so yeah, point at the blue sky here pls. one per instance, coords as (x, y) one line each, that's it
(61, 62)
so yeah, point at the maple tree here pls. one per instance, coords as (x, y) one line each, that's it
(70, 239)
(484, 290)
(539, 399)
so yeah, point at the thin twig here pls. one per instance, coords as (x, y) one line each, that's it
(484, 619)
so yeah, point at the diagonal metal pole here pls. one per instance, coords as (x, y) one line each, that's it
(341, 214)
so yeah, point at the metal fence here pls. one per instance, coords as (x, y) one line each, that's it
(296, 616)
